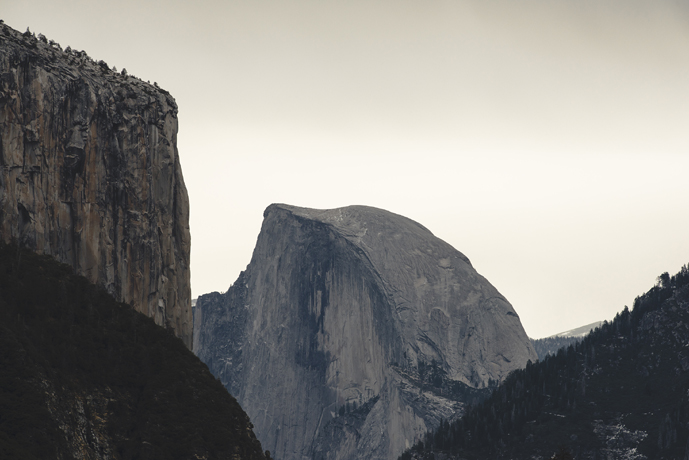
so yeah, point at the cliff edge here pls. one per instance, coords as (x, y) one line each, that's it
(90, 175)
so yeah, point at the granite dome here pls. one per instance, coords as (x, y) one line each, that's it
(345, 306)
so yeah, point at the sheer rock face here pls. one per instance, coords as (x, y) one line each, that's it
(91, 175)
(340, 307)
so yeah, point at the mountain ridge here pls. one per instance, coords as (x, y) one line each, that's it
(579, 331)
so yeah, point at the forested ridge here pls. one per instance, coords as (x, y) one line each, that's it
(550, 345)
(620, 392)
(83, 376)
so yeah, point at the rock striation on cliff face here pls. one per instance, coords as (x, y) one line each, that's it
(90, 175)
(353, 331)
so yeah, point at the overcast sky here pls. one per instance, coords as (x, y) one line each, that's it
(546, 140)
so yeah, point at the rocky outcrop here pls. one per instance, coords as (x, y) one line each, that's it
(90, 175)
(353, 331)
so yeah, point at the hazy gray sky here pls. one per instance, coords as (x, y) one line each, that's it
(546, 140)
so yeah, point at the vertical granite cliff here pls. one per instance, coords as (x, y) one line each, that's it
(353, 331)
(90, 175)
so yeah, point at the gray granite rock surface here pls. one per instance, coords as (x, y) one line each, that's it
(324, 337)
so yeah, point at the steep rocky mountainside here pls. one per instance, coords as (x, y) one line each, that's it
(353, 331)
(620, 393)
(89, 173)
(85, 377)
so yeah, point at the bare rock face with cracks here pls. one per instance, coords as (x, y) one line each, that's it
(353, 331)
(91, 176)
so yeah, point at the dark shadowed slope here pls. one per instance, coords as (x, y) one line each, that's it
(85, 377)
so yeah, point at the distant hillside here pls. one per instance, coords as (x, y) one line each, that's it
(622, 393)
(85, 377)
(580, 331)
(550, 345)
